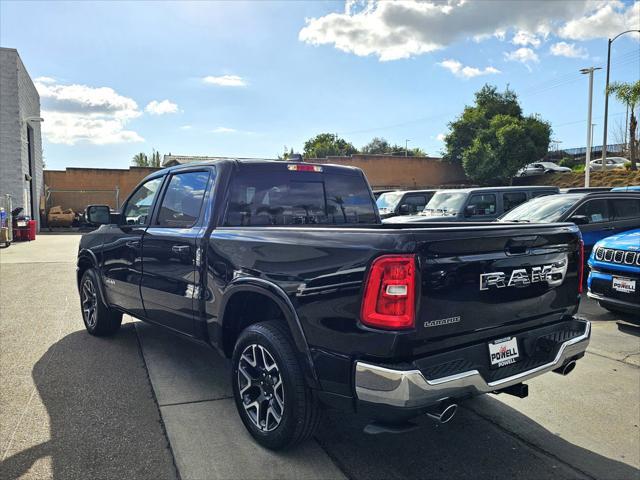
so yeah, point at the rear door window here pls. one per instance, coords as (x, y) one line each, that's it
(597, 211)
(483, 204)
(513, 199)
(271, 195)
(625, 208)
(182, 201)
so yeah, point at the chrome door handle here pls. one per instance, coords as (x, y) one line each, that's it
(181, 249)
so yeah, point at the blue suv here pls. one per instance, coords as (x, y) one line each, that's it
(614, 280)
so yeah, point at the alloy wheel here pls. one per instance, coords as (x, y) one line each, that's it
(89, 303)
(261, 387)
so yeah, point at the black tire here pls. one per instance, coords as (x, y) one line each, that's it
(99, 319)
(300, 412)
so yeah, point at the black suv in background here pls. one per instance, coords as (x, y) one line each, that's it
(403, 202)
(286, 269)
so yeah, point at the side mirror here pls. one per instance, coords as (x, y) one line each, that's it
(405, 209)
(98, 214)
(579, 219)
(469, 210)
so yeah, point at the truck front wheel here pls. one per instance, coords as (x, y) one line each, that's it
(99, 319)
(271, 395)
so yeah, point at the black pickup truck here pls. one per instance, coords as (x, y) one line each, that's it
(286, 269)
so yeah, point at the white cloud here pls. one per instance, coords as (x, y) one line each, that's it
(463, 71)
(564, 49)
(525, 38)
(441, 137)
(45, 80)
(155, 107)
(523, 55)
(185, 127)
(606, 20)
(393, 30)
(224, 130)
(76, 113)
(225, 81)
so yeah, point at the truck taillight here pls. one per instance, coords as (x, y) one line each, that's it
(389, 293)
(581, 267)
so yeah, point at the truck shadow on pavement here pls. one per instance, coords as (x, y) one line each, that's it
(470, 446)
(104, 423)
(103, 420)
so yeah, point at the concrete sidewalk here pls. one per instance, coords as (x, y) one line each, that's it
(72, 406)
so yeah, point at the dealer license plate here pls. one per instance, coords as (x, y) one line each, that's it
(504, 351)
(21, 223)
(625, 285)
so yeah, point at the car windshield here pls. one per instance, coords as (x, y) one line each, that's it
(546, 209)
(548, 164)
(445, 203)
(389, 200)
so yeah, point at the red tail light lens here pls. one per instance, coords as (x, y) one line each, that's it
(389, 293)
(581, 267)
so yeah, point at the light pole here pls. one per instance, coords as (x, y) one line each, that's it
(606, 94)
(587, 160)
(406, 148)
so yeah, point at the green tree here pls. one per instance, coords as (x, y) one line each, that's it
(154, 159)
(377, 146)
(327, 144)
(629, 94)
(380, 146)
(492, 139)
(143, 160)
(140, 160)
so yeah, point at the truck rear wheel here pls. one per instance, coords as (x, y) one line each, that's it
(271, 395)
(99, 319)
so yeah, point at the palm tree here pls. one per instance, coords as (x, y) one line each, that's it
(629, 94)
(140, 160)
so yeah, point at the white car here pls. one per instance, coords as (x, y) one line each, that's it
(540, 168)
(611, 163)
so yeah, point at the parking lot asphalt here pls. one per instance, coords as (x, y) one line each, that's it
(147, 404)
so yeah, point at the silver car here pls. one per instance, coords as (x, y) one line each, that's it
(611, 163)
(540, 168)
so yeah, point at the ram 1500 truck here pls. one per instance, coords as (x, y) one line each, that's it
(286, 269)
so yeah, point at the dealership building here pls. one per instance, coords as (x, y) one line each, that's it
(20, 137)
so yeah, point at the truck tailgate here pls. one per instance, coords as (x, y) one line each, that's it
(477, 280)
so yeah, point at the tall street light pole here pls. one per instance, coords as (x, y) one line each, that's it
(588, 71)
(606, 94)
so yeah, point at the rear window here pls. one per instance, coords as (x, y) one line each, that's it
(273, 195)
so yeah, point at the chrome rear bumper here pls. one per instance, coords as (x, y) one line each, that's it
(409, 388)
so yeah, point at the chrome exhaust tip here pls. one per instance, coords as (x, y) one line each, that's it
(567, 368)
(444, 414)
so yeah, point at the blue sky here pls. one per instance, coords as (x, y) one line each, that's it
(247, 78)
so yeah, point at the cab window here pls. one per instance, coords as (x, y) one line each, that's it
(182, 201)
(513, 199)
(416, 202)
(596, 211)
(138, 207)
(626, 208)
(483, 204)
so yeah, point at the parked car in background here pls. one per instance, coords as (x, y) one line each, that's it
(483, 204)
(598, 215)
(540, 168)
(630, 188)
(403, 202)
(611, 163)
(377, 193)
(614, 280)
